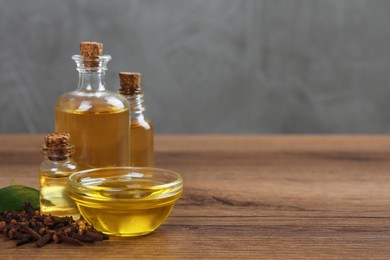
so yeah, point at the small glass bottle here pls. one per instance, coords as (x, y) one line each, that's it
(96, 118)
(141, 128)
(54, 171)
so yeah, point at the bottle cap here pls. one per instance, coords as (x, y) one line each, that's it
(130, 83)
(57, 140)
(91, 51)
(57, 146)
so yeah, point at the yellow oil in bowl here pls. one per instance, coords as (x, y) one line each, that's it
(125, 201)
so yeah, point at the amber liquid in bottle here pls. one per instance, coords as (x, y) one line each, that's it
(141, 143)
(55, 169)
(98, 134)
(141, 129)
(53, 196)
(96, 119)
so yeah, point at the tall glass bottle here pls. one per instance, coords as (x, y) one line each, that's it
(96, 119)
(141, 128)
(54, 171)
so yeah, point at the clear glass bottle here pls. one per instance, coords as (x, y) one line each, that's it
(54, 171)
(141, 128)
(96, 119)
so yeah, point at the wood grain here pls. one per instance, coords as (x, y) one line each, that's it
(273, 197)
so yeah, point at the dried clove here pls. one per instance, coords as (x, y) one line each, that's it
(42, 231)
(97, 236)
(45, 239)
(48, 221)
(30, 231)
(3, 225)
(12, 233)
(23, 241)
(83, 238)
(56, 238)
(29, 225)
(28, 208)
(71, 240)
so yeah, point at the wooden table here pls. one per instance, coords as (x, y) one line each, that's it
(246, 197)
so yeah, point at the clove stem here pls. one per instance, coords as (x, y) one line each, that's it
(30, 231)
(45, 239)
(71, 240)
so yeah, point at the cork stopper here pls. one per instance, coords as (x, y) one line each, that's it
(57, 146)
(57, 140)
(130, 83)
(91, 51)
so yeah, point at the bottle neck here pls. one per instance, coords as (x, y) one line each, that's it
(56, 160)
(137, 107)
(91, 81)
(91, 72)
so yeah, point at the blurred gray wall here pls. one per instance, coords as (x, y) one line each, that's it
(209, 66)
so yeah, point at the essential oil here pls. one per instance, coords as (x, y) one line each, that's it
(97, 119)
(141, 128)
(99, 133)
(131, 219)
(54, 172)
(125, 201)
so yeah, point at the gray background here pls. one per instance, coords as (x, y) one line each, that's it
(209, 66)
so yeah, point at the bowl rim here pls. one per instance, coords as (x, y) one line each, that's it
(77, 186)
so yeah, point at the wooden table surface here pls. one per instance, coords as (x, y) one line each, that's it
(273, 197)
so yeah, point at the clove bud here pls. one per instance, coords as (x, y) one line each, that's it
(28, 225)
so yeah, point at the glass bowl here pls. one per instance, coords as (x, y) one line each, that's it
(125, 201)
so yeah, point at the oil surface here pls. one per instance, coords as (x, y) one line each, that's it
(53, 197)
(141, 143)
(125, 209)
(100, 137)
